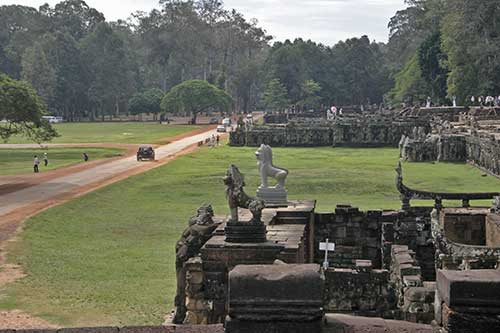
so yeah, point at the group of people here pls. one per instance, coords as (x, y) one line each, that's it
(45, 158)
(36, 162)
(214, 140)
(486, 101)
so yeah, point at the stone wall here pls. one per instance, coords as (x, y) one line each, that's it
(484, 151)
(451, 255)
(493, 230)
(362, 291)
(413, 229)
(481, 149)
(441, 148)
(356, 235)
(415, 298)
(356, 132)
(465, 226)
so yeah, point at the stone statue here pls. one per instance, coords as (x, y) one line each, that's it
(496, 205)
(199, 230)
(272, 196)
(266, 168)
(237, 197)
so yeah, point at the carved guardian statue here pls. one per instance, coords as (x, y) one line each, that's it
(266, 168)
(237, 197)
(272, 196)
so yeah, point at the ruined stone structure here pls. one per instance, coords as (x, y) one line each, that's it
(356, 131)
(414, 265)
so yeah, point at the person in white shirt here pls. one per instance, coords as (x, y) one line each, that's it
(45, 159)
(36, 162)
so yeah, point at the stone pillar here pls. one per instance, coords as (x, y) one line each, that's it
(469, 300)
(277, 298)
(196, 305)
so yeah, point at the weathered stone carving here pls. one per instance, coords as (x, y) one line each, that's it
(276, 195)
(200, 229)
(237, 197)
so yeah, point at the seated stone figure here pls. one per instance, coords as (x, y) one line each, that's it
(276, 195)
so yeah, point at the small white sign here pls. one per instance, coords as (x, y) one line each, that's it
(327, 246)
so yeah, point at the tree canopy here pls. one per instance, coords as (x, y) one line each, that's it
(193, 97)
(21, 110)
(85, 67)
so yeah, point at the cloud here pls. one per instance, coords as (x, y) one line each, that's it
(325, 21)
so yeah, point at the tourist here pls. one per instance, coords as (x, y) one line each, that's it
(45, 159)
(429, 102)
(480, 100)
(217, 138)
(473, 100)
(85, 157)
(36, 162)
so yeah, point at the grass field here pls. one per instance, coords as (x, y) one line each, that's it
(20, 161)
(114, 133)
(108, 257)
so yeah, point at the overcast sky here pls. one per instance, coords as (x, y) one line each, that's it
(325, 21)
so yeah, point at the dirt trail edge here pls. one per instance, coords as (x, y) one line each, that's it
(16, 207)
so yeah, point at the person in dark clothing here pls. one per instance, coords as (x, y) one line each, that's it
(85, 157)
(217, 139)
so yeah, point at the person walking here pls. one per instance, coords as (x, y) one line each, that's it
(45, 159)
(217, 139)
(85, 157)
(36, 162)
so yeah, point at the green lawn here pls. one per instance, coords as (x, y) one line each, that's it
(107, 258)
(114, 133)
(20, 161)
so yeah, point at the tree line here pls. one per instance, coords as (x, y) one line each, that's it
(84, 67)
(445, 48)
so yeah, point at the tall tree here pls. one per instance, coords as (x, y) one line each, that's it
(38, 72)
(193, 97)
(276, 96)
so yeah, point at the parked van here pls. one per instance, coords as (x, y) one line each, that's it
(53, 119)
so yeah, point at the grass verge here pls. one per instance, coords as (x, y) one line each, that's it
(20, 161)
(114, 133)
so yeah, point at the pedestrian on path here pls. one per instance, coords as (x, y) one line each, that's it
(217, 139)
(85, 157)
(45, 159)
(36, 162)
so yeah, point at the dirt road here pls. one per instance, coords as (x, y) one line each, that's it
(55, 187)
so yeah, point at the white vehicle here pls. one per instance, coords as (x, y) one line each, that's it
(221, 128)
(226, 122)
(53, 119)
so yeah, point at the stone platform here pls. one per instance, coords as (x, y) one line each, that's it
(273, 197)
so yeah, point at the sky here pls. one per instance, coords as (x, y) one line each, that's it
(325, 21)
